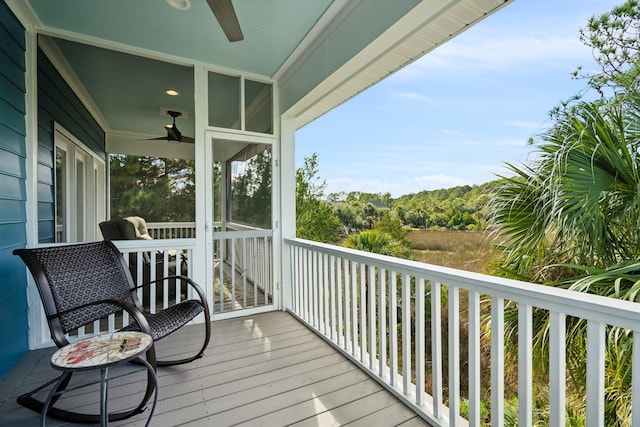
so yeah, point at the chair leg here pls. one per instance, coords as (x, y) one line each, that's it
(28, 401)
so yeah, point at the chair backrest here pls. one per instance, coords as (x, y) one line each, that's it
(73, 276)
(118, 229)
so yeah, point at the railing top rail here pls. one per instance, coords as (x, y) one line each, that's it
(241, 234)
(153, 225)
(588, 306)
(155, 244)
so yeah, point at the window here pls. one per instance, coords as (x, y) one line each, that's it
(79, 190)
(238, 103)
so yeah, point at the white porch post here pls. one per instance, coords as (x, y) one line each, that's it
(202, 273)
(287, 205)
(38, 328)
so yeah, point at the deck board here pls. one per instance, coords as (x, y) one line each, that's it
(266, 369)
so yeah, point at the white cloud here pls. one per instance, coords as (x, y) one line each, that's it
(414, 96)
(495, 49)
(524, 124)
(452, 132)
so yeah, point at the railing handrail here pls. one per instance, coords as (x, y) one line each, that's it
(241, 234)
(154, 244)
(602, 309)
(156, 225)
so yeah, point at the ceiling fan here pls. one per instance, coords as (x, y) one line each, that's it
(173, 134)
(226, 16)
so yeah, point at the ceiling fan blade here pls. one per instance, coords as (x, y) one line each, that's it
(160, 138)
(226, 16)
(186, 139)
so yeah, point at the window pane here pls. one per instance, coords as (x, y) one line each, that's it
(224, 101)
(258, 107)
(61, 195)
(80, 197)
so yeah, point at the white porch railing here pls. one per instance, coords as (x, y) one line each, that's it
(243, 274)
(172, 230)
(360, 303)
(244, 269)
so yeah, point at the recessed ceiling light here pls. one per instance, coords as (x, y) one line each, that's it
(172, 92)
(179, 4)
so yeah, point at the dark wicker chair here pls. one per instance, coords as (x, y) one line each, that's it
(82, 283)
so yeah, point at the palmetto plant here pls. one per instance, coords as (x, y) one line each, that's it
(578, 203)
(377, 242)
(571, 218)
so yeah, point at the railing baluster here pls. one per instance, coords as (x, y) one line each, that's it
(557, 379)
(419, 339)
(635, 378)
(221, 275)
(255, 270)
(354, 309)
(326, 291)
(332, 291)
(454, 356)
(154, 286)
(595, 373)
(244, 269)
(165, 273)
(382, 322)
(363, 314)
(307, 287)
(296, 279)
(233, 274)
(393, 329)
(314, 289)
(436, 349)
(339, 302)
(406, 333)
(348, 342)
(319, 286)
(371, 311)
(497, 362)
(140, 276)
(474, 358)
(525, 365)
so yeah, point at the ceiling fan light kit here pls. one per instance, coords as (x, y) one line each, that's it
(173, 134)
(179, 4)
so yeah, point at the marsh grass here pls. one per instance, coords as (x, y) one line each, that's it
(465, 250)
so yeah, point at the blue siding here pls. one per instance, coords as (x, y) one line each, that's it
(58, 103)
(13, 281)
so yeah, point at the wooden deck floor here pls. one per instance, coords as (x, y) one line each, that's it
(265, 369)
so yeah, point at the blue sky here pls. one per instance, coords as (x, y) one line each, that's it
(455, 116)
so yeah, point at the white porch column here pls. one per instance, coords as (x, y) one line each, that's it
(287, 204)
(202, 269)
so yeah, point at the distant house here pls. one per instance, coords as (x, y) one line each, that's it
(380, 205)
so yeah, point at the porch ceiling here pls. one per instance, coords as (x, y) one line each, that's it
(272, 29)
(120, 56)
